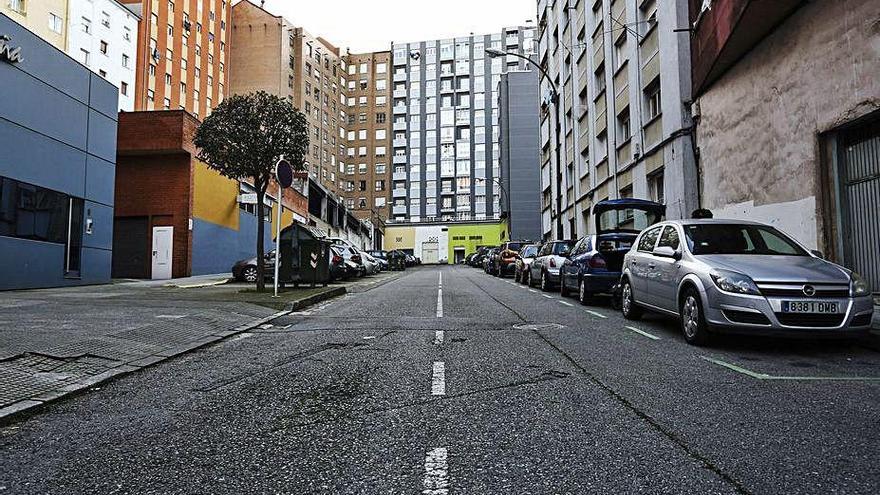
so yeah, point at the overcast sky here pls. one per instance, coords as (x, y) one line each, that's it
(370, 25)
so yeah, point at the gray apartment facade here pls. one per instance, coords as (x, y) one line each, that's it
(622, 69)
(445, 153)
(57, 165)
(518, 103)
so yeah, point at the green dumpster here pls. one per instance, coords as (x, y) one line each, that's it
(305, 256)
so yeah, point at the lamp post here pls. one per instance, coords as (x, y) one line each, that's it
(554, 98)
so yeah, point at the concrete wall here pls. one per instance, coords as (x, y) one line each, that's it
(58, 131)
(36, 19)
(520, 153)
(759, 124)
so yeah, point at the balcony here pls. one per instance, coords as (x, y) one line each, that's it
(399, 126)
(399, 210)
(399, 143)
(399, 160)
(399, 77)
(400, 93)
(398, 176)
(447, 192)
(399, 109)
(398, 193)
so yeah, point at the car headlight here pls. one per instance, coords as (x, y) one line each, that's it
(734, 282)
(858, 286)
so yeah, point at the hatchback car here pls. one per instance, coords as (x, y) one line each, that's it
(741, 277)
(489, 260)
(504, 262)
(545, 267)
(246, 270)
(595, 262)
(523, 261)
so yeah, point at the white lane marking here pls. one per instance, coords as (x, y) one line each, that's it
(765, 376)
(171, 316)
(438, 337)
(594, 313)
(369, 337)
(440, 281)
(438, 379)
(436, 480)
(642, 332)
(548, 297)
(566, 303)
(532, 290)
(440, 296)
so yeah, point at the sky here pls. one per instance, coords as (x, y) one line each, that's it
(370, 25)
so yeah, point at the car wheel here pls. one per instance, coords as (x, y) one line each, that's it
(693, 322)
(516, 276)
(583, 296)
(628, 306)
(545, 284)
(563, 291)
(249, 274)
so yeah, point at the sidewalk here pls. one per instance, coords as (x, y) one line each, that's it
(56, 341)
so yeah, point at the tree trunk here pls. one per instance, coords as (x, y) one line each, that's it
(261, 265)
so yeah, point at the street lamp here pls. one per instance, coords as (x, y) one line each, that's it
(554, 98)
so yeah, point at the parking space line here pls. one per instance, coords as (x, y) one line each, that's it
(566, 303)
(642, 332)
(532, 290)
(438, 337)
(765, 376)
(595, 313)
(548, 297)
(436, 481)
(438, 378)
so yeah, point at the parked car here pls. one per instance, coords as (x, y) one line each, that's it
(340, 269)
(523, 261)
(545, 267)
(489, 260)
(246, 270)
(479, 256)
(504, 262)
(371, 265)
(741, 277)
(595, 263)
(353, 259)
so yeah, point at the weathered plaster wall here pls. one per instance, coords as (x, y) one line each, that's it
(759, 124)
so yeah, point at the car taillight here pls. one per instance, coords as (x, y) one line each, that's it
(337, 258)
(552, 263)
(597, 262)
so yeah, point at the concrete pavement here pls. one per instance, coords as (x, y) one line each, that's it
(506, 390)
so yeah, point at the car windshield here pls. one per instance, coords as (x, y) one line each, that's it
(529, 252)
(715, 238)
(627, 220)
(514, 246)
(562, 248)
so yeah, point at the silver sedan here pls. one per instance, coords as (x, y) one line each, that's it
(741, 277)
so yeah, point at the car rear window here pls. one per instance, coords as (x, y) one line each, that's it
(529, 252)
(514, 246)
(561, 248)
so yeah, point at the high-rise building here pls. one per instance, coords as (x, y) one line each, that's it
(45, 18)
(182, 54)
(621, 128)
(366, 171)
(518, 109)
(102, 35)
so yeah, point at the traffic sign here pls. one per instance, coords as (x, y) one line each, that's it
(284, 173)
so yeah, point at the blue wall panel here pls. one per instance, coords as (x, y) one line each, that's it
(102, 136)
(27, 264)
(102, 226)
(31, 158)
(100, 180)
(217, 248)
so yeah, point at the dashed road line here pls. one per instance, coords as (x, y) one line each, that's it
(436, 481)
(532, 290)
(438, 337)
(567, 303)
(643, 333)
(440, 296)
(548, 297)
(595, 313)
(438, 379)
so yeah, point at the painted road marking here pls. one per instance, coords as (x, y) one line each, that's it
(438, 337)
(436, 480)
(765, 376)
(171, 316)
(438, 379)
(566, 303)
(595, 313)
(532, 290)
(440, 296)
(644, 333)
(548, 297)
(369, 337)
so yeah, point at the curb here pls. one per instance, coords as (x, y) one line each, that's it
(26, 407)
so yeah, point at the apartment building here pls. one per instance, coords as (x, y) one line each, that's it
(182, 54)
(46, 18)
(619, 73)
(102, 35)
(367, 170)
(445, 128)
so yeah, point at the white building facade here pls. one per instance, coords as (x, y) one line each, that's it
(102, 35)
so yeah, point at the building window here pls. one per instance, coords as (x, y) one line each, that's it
(380, 168)
(125, 61)
(620, 51)
(623, 126)
(103, 47)
(86, 25)
(151, 95)
(85, 56)
(362, 185)
(56, 25)
(655, 187)
(123, 88)
(380, 118)
(18, 6)
(652, 98)
(167, 103)
(168, 79)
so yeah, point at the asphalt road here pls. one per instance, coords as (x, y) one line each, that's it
(481, 386)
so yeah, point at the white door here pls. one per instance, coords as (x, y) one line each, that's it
(162, 241)
(430, 252)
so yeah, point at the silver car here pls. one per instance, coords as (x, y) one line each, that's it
(741, 277)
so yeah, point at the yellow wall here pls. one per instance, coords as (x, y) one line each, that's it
(36, 19)
(215, 198)
(475, 235)
(399, 238)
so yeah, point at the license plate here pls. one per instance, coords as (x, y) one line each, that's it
(822, 307)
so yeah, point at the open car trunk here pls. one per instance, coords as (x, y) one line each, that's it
(612, 247)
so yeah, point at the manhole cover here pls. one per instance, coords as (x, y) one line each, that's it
(538, 326)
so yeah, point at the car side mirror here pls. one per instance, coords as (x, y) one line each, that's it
(817, 253)
(666, 252)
